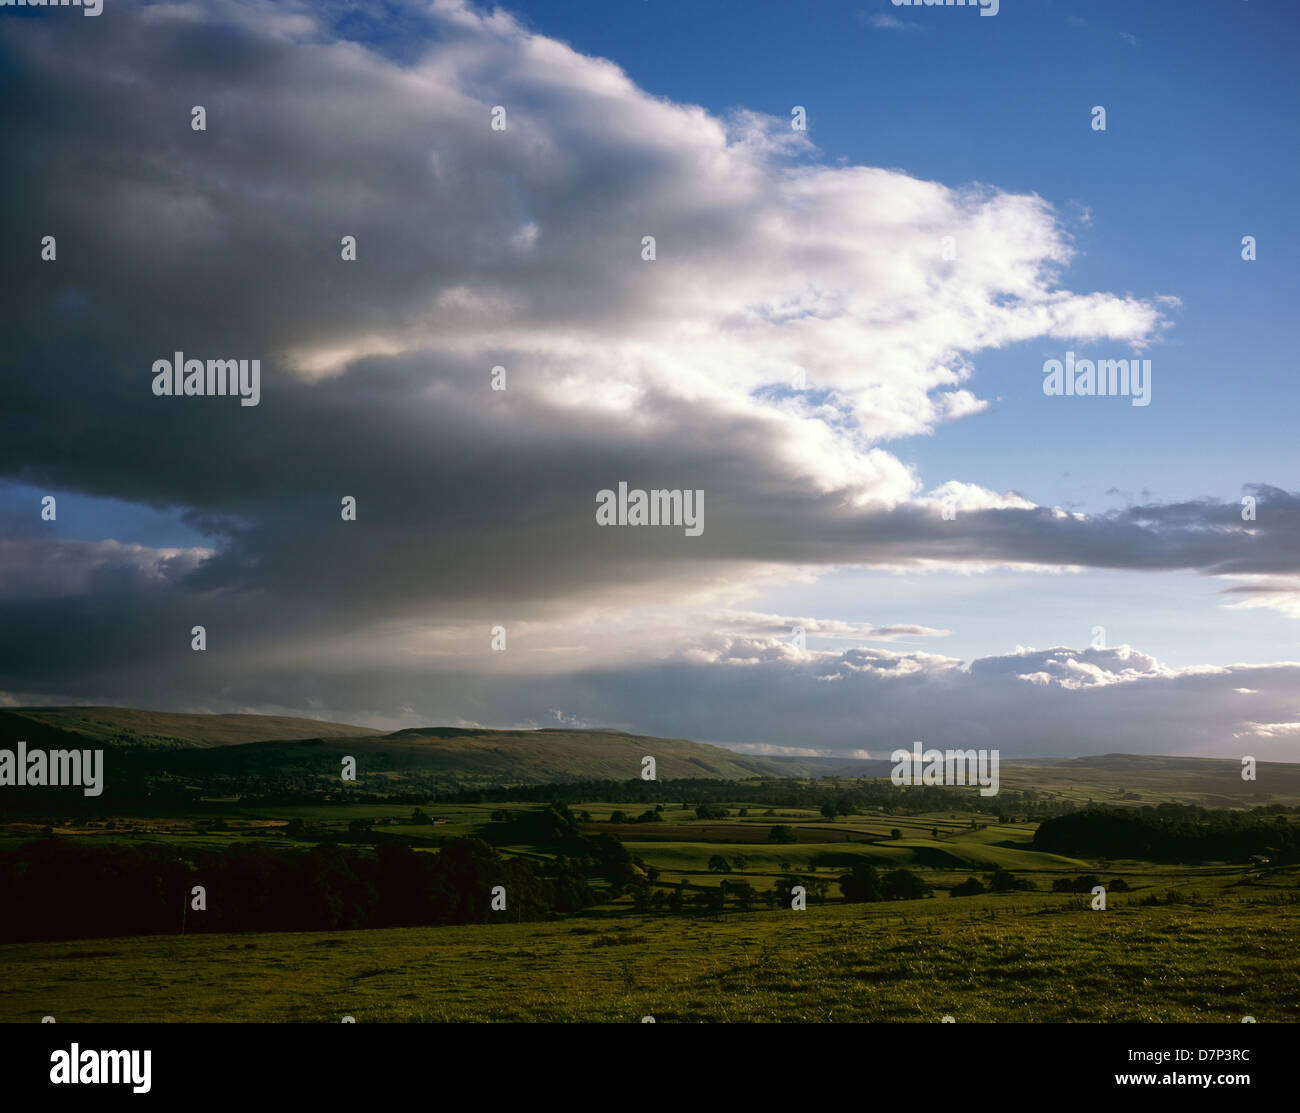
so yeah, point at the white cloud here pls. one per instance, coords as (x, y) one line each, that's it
(883, 21)
(1269, 731)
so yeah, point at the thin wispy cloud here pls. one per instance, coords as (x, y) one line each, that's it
(883, 21)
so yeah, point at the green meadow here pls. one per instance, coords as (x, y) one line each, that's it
(1225, 949)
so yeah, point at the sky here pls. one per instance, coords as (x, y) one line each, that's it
(840, 341)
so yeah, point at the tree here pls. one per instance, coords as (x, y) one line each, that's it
(421, 817)
(903, 885)
(613, 860)
(739, 862)
(968, 888)
(782, 890)
(828, 811)
(1002, 881)
(711, 900)
(861, 883)
(782, 834)
(718, 864)
(617, 817)
(895, 833)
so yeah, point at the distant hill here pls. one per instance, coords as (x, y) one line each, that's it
(251, 747)
(1121, 779)
(454, 756)
(266, 745)
(126, 726)
(831, 766)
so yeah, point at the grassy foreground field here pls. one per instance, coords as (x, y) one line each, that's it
(1226, 953)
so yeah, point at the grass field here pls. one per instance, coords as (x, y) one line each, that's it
(1224, 954)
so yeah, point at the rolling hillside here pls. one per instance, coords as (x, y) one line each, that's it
(1144, 779)
(252, 746)
(484, 757)
(126, 726)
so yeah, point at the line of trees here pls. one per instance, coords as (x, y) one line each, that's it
(61, 889)
(864, 883)
(999, 881)
(1171, 833)
(831, 794)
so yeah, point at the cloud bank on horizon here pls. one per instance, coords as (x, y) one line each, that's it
(522, 249)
